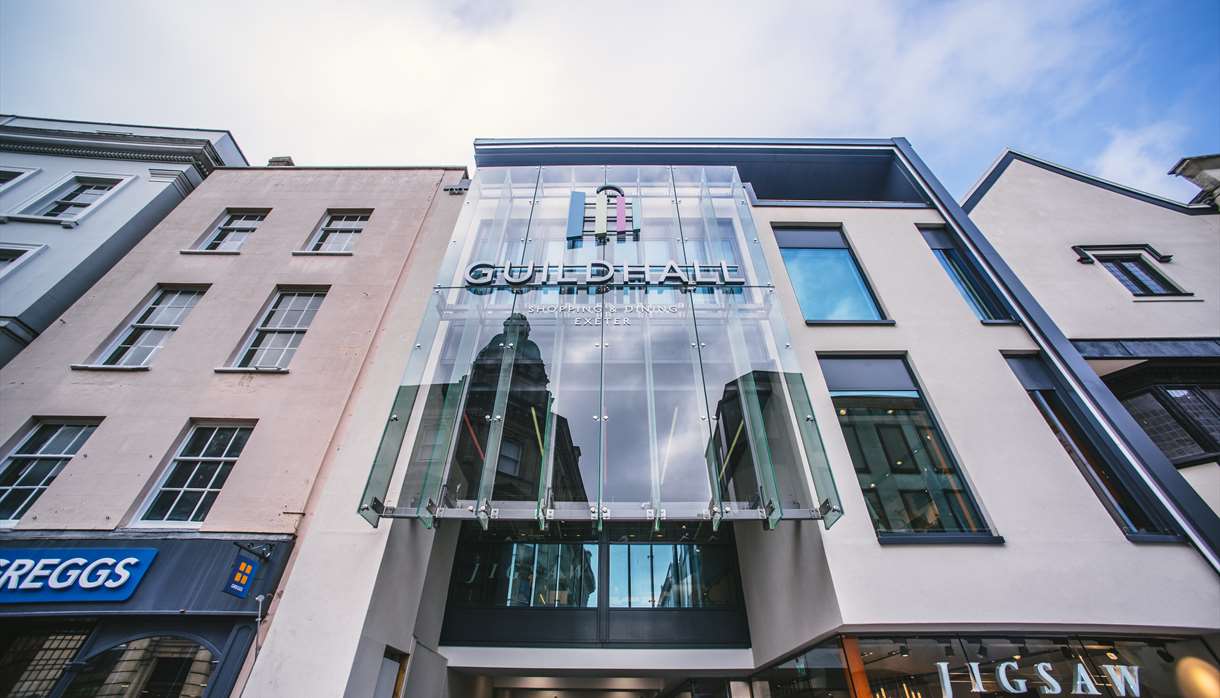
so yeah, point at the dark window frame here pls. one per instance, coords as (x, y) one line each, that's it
(1157, 380)
(1116, 265)
(780, 231)
(976, 289)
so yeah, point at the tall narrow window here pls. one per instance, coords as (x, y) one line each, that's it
(8, 256)
(970, 282)
(232, 230)
(279, 331)
(197, 472)
(825, 275)
(1137, 275)
(151, 326)
(31, 467)
(338, 231)
(1131, 509)
(911, 483)
(72, 198)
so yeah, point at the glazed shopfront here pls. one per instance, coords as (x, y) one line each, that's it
(134, 616)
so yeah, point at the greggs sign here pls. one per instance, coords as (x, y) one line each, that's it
(59, 575)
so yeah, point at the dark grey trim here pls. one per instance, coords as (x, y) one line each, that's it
(1196, 512)
(1083, 256)
(1001, 321)
(832, 323)
(1149, 348)
(297, 168)
(891, 538)
(817, 203)
(1154, 538)
(997, 170)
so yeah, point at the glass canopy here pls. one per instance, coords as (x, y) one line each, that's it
(602, 343)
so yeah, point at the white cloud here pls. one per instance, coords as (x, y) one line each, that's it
(399, 83)
(1141, 157)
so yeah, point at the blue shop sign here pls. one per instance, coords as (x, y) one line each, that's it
(241, 577)
(59, 575)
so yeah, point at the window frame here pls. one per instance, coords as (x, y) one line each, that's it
(166, 468)
(1138, 258)
(24, 210)
(27, 253)
(220, 225)
(257, 327)
(971, 282)
(98, 358)
(12, 450)
(23, 173)
(778, 231)
(321, 232)
(965, 487)
(1205, 441)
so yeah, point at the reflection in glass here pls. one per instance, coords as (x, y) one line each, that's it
(533, 571)
(672, 575)
(829, 284)
(153, 667)
(909, 480)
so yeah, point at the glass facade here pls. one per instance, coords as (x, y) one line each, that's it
(944, 666)
(603, 344)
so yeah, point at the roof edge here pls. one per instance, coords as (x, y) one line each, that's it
(992, 175)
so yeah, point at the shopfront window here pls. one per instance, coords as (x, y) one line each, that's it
(153, 667)
(33, 655)
(957, 666)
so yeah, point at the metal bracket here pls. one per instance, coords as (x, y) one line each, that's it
(262, 551)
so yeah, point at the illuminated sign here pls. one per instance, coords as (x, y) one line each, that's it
(57, 575)
(1124, 679)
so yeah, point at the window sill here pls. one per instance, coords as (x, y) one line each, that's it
(939, 538)
(320, 253)
(65, 222)
(1154, 537)
(242, 369)
(848, 323)
(1168, 298)
(102, 367)
(1001, 322)
(229, 252)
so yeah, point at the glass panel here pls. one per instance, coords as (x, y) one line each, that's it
(829, 285)
(980, 300)
(1198, 409)
(35, 654)
(557, 570)
(905, 462)
(1166, 668)
(1143, 273)
(655, 450)
(1161, 427)
(552, 433)
(820, 672)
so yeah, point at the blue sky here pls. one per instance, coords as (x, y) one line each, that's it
(1117, 89)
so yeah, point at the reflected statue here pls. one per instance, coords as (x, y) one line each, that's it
(528, 423)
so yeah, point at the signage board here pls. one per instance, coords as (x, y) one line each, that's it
(60, 575)
(241, 577)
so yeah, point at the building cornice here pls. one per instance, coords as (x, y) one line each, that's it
(199, 153)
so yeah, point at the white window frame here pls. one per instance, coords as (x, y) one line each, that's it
(22, 437)
(200, 246)
(27, 253)
(234, 363)
(23, 173)
(21, 212)
(321, 228)
(167, 468)
(115, 338)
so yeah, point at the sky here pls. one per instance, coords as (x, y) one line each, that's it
(1116, 89)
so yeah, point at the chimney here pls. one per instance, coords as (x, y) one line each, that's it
(281, 161)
